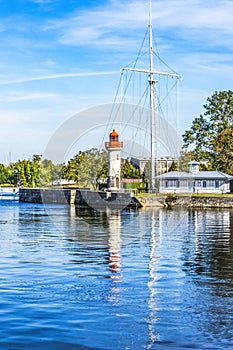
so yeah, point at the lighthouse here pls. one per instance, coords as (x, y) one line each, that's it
(114, 147)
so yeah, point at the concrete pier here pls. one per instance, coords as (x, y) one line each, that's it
(41, 195)
(82, 197)
(120, 200)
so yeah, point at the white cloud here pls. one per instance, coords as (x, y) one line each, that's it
(55, 76)
(195, 14)
(28, 97)
(41, 1)
(117, 21)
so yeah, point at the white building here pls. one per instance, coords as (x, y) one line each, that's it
(194, 181)
(114, 147)
(163, 163)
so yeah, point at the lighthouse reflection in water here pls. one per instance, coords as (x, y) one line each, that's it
(114, 242)
(81, 279)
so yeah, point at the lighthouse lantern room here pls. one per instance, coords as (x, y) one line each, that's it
(114, 147)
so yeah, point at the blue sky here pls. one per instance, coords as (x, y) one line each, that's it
(60, 57)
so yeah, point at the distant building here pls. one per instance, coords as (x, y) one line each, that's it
(63, 182)
(163, 163)
(195, 181)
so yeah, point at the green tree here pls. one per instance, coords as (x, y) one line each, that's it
(45, 172)
(85, 167)
(49, 172)
(173, 167)
(18, 173)
(5, 175)
(184, 158)
(211, 134)
(102, 175)
(128, 171)
(72, 169)
(56, 171)
(223, 146)
(25, 173)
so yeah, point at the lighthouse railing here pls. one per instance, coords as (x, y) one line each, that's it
(114, 144)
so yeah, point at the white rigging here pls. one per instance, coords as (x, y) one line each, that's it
(153, 100)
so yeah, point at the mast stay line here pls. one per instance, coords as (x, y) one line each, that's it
(153, 101)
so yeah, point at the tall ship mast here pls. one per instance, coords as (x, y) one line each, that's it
(153, 100)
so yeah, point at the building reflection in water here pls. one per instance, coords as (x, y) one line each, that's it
(100, 230)
(212, 250)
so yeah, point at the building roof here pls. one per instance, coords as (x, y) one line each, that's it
(194, 162)
(201, 175)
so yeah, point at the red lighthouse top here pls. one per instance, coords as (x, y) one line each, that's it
(113, 140)
(113, 136)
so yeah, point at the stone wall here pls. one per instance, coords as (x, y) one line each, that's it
(192, 201)
(151, 201)
(82, 197)
(47, 196)
(205, 201)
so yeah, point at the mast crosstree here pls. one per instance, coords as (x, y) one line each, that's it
(153, 100)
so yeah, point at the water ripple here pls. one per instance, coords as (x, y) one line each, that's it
(115, 280)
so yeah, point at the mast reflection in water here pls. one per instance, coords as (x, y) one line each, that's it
(82, 279)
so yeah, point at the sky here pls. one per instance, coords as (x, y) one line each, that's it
(61, 57)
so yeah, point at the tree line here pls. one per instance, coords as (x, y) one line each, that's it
(30, 173)
(85, 169)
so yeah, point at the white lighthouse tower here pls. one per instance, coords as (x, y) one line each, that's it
(114, 147)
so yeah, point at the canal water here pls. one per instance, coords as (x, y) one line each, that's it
(79, 279)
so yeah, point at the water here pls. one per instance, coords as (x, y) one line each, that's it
(74, 279)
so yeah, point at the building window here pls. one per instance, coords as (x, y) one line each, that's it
(166, 184)
(177, 183)
(216, 184)
(204, 184)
